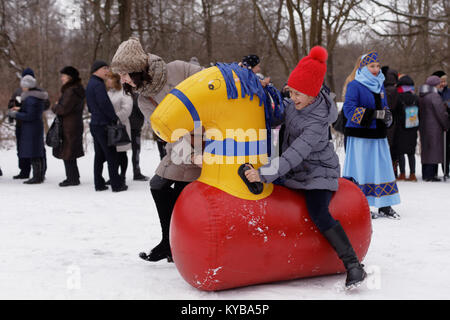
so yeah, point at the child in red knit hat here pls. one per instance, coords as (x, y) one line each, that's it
(308, 162)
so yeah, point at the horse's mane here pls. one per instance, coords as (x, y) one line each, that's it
(251, 86)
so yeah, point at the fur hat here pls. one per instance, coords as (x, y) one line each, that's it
(439, 73)
(129, 57)
(71, 72)
(308, 75)
(28, 82)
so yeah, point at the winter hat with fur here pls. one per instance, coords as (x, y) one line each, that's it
(129, 57)
(308, 75)
(28, 82)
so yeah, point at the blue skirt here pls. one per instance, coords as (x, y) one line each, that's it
(369, 162)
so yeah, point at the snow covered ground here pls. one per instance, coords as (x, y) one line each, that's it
(75, 243)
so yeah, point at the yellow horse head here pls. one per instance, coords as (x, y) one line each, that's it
(235, 125)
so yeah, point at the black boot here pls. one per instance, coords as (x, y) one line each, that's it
(389, 213)
(38, 172)
(165, 201)
(140, 177)
(337, 237)
(21, 175)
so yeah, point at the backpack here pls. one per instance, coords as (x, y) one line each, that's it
(411, 116)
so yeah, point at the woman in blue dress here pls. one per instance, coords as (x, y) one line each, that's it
(368, 159)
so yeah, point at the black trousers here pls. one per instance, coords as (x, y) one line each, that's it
(24, 163)
(104, 153)
(317, 202)
(72, 172)
(136, 150)
(122, 159)
(411, 161)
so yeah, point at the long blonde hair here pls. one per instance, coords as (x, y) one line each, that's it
(351, 77)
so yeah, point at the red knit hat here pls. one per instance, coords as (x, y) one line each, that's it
(308, 75)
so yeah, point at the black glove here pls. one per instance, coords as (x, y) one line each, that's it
(385, 115)
(388, 119)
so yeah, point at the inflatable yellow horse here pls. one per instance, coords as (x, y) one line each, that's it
(222, 235)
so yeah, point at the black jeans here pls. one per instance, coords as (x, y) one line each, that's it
(123, 163)
(136, 150)
(104, 153)
(317, 202)
(72, 172)
(411, 161)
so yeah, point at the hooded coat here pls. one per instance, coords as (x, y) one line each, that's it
(70, 110)
(31, 144)
(433, 122)
(308, 160)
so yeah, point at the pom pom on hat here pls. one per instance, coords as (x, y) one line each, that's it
(308, 75)
(319, 53)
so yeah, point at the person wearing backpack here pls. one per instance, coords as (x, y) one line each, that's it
(406, 116)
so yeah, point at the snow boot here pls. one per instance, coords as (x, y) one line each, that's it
(164, 201)
(412, 177)
(338, 239)
(401, 176)
(389, 213)
(38, 178)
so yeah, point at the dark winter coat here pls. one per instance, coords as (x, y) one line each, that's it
(99, 104)
(433, 121)
(308, 160)
(390, 86)
(70, 110)
(405, 139)
(359, 108)
(31, 143)
(445, 94)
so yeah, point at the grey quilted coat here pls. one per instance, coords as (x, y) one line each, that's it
(308, 160)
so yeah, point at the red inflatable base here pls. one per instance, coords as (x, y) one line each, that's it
(220, 241)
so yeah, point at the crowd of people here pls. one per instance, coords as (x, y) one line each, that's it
(381, 117)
